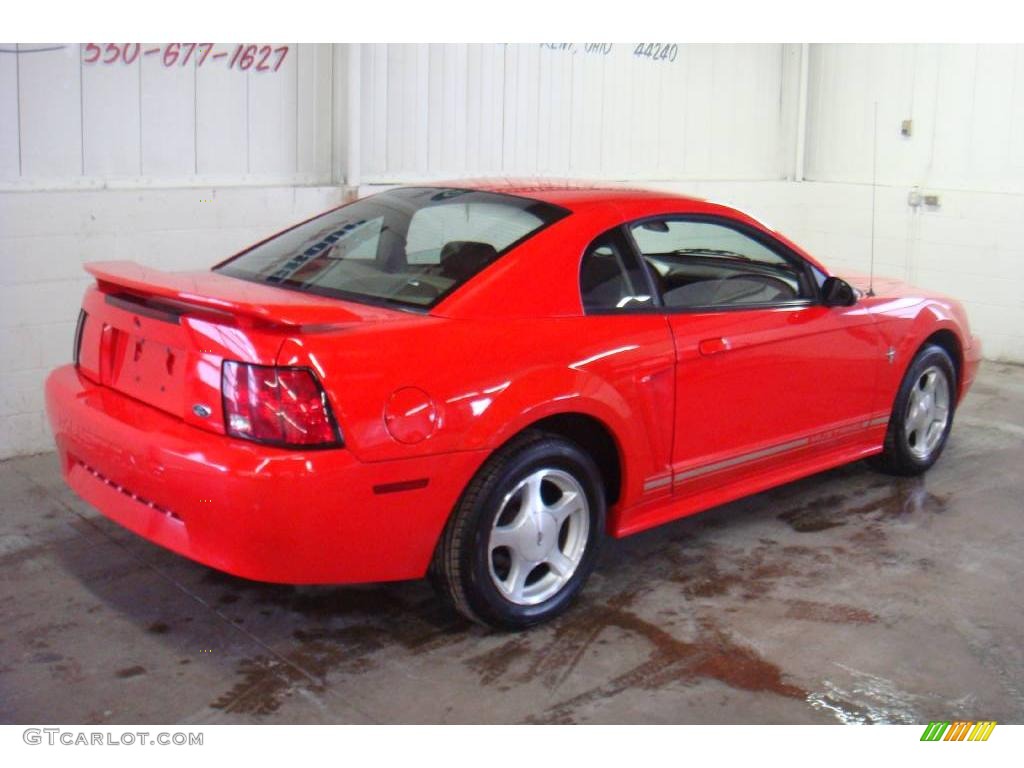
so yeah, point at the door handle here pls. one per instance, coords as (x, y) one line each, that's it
(714, 346)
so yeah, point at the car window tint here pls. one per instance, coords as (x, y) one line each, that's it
(699, 264)
(409, 246)
(611, 279)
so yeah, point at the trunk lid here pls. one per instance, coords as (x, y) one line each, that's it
(161, 337)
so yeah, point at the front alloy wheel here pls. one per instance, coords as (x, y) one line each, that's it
(922, 414)
(927, 413)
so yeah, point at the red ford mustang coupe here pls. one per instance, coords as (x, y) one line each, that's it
(478, 382)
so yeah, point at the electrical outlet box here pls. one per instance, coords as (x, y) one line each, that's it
(916, 198)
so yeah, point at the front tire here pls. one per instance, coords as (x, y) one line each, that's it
(922, 415)
(525, 535)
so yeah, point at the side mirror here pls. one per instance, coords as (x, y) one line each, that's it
(836, 292)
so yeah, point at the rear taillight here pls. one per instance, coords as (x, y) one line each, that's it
(283, 406)
(78, 335)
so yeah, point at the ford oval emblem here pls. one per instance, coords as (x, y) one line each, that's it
(202, 411)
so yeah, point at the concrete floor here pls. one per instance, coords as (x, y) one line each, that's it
(846, 597)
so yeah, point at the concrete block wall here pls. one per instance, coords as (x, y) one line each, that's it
(46, 237)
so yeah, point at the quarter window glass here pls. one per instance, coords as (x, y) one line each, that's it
(611, 279)
(705, 265)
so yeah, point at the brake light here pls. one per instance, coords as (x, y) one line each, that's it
(283, 406)
(82, 317)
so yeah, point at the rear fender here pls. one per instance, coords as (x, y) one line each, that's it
(544, 393)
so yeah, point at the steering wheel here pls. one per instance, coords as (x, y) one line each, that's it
(784, 289)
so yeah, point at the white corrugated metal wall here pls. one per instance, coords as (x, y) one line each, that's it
(708, 112)
(600, 110)
(160, 119)
(966, 103)
(701, 111)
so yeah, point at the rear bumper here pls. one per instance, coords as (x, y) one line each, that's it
(297, 517)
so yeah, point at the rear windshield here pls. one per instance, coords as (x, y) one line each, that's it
(410, 246)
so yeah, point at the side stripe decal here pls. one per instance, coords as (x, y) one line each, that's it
(742, 459)
(828, 435)
(658, 482)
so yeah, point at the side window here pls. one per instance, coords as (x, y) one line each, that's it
(611, 279)
(700, 264)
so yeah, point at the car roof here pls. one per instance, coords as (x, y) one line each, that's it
(573, 194)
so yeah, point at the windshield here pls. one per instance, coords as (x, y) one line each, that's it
(410, 246)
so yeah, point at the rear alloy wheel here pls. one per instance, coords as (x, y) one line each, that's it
(525, 535)
(922, 415)
(539, 536)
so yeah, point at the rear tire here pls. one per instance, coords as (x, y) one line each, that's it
(525, 535)
(922, 415)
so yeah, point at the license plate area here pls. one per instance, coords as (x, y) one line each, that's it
(146, 369)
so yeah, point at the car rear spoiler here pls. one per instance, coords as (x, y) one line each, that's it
(224, 297)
